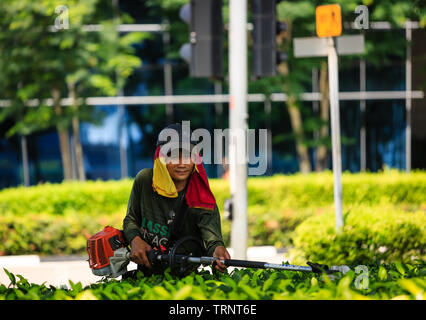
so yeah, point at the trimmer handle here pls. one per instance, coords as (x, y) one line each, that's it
(153, 256)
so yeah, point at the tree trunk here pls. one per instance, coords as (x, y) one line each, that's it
(297, 125)
(322, 155)
(78, 150)
(63, 136)
(293, 110)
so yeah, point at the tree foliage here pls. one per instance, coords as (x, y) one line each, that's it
(37, 57)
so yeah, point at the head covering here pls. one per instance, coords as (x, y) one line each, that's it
(198, 193)
(183, 135)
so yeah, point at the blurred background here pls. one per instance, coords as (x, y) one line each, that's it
(63, 63)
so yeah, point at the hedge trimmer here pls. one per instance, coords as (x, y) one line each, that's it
(109, 257)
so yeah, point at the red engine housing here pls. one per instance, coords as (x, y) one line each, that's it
(100, 247)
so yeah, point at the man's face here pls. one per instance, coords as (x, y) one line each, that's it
(180, 167)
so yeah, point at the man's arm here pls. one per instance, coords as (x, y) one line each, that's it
(132, 225)
(211, 234)
(132, 222)
(209, 224)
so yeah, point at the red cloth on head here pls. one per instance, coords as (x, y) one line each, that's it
(198, 193)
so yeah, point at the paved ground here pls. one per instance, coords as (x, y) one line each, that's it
(57, 271)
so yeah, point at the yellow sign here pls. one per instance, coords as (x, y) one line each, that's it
(328, 20)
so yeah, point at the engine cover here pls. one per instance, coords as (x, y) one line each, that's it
(101, 246)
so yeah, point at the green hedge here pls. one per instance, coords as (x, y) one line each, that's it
(265, 194)
(89, 198)
(50, 235)
(370, 234)
(380, 282)
(57, 218)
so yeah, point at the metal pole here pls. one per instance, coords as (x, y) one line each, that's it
(315, 106)
(24, 150)
(315, 88)
(218, 105)
(335, 130)
(238, 124)
(168, 77)
(408, 69)
(363, 135)
(268, 109)
(219, 123)
(73, 158)
(121, 140)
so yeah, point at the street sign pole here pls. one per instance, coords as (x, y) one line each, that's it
(238, 125)
(335, 130)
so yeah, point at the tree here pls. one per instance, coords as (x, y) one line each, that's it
(41, 61)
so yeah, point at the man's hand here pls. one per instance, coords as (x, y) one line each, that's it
(139, 252)
(221, 253)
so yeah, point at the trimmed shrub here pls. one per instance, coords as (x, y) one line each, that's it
(386, 281)
(370, 234)
(265, 194)
(50, 235)
(89, 198)
(72, 211)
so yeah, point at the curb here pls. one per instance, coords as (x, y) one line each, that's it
(20, 261)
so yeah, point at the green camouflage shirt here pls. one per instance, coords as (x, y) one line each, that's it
(149, 216)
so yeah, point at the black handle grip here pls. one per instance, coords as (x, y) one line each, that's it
(152, 256)
(244, 263)
(318, 268)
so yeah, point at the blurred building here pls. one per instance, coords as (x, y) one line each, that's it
(384, 120)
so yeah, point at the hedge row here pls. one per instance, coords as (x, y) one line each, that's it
(386, 281)
(46, 234)
(369, 234)
(76, 211)
(265, 194)
(50, 235)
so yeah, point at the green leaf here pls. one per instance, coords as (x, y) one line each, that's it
(199, 279)
(250, 292)
(245, 279)
(161, 292)
(86, 295)
(183, 293)
(11, 276)
(133, 291)
(269, 282)
(383, 274)
(400, 268)
(411, 287)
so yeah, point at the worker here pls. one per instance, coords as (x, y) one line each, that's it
(170, 201)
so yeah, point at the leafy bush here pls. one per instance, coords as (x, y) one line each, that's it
(265, 194)
(390, 281)
(31, 217)
(316, 189)
(369, 234)
(89, 198)
(50, 235)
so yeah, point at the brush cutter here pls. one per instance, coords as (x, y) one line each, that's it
(109, 257)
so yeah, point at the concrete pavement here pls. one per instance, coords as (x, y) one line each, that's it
(57, 271)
